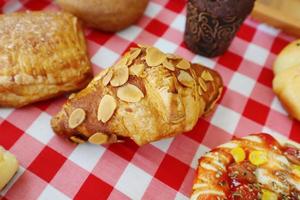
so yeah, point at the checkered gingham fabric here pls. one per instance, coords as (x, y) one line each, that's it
(54, 169)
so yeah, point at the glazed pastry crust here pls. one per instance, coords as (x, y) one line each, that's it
(167, 107)
(42, 55)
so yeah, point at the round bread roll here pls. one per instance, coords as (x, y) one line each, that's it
(106, 15)
(288, 57)
(8, 167)
(286, 85)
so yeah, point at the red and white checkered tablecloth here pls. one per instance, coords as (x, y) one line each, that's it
(54, 169)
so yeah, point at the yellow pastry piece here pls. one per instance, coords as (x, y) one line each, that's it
(8, 167)
(286, 85)
(296, 170)
(238, 154)
(258, 157)
(288, 57)
(42, 55)
(268, 195)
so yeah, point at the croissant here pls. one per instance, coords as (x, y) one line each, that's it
(148, 95)
(42, 55)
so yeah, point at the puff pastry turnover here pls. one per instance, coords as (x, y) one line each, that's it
(42, 55)
(146, 96)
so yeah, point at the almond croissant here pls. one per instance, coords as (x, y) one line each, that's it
(146, 96)
(42, 55)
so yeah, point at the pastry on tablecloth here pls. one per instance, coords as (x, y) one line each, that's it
(106, 15)
(254, 167)
(288, 57)
(42, 55)
(286, 83)
(148, 95)
(8, 167)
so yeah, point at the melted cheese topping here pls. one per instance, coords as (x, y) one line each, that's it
(253, 138)
(229, 145)
(279, 162)
(267, 179)
(208, 166)
(294, 182)
(199, 193)
(199, 185)
(217, 160)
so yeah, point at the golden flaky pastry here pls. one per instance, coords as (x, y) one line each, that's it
(42, 55)
(148, 95)
(286, 83)
(288, 57)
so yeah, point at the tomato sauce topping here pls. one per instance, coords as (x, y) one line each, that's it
(241, 173)
(245, 192)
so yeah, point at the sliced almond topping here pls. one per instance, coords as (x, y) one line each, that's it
(206, 76)
(143, 75)
(129, 62)
(135, 53)
(76, 117)
(98, 138)
(76, 140)
(168, 65)
(123, 61)
(183, 64)
(1, 156)
(120, 77)
(172, 56)
(154, 57)
(101, 74)
(72, 96)
(106, 108)
(107, 78)
(112, 139)
(185, 79)
(143, 45)
(137, 70)
(130, 93)
(200, 91)
(133, 48)
(202, 84)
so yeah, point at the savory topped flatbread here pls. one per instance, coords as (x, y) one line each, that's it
(254, 167)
